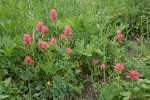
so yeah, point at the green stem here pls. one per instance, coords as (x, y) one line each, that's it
(94, 71)
(90, 69)
(132, 85)
(104, 58)
(55, 27)
(119, 83)
(104, 76)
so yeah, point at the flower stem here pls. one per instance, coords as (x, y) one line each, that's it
(104, 76)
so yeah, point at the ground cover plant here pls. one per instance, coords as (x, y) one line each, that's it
(74, 50)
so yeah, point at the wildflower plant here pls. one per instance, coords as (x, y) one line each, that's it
(100, 50)
(50, 58)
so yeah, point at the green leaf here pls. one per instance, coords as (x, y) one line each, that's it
(4, 96)
(87, 53)
(77, 89)
(8, 51)
(39, 86)
(125, 98)
(37, 95)
(145, 86)
(7, 82)
(2, 23)
(109, 92)
(136, 89)
(98, 51)
(140, 81)
(49, 67)
(126, 94)
(9, 21)
(79, 44)
(2, 51)
(2, 88)
(147, 95)
(26, 75)
(147, 81)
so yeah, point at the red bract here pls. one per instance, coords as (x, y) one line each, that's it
(53, 14)
(133, 75)
(102, 66)
(118, 67)
(27, 39)
(28, 60)
(68, 50)
(43, 44)
(94, 62)
(119, 35)
(44, 29)
(53, 41)
(62, 37)
(39, 26)
(67, 30)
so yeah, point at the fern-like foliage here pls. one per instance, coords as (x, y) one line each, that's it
(109, 92)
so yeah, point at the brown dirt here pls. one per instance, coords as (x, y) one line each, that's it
(88, 92)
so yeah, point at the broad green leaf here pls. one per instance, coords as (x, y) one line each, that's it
(145, 86)
(39, 86)
(87, 53)
(147, 95)
(2, 51)
(98, 51)
(136, 89)
(4, 96)
(2, 88)
(7, 82)
(125, 98)
(126, 94)
(147, 81)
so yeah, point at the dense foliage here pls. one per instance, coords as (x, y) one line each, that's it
(59, 49)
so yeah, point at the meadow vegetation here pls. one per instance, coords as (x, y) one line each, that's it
(74, 50)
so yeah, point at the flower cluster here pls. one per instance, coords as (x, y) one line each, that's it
(133, 75)
(67, 30)
(28, 60)
(118, 68)
(68, 50)
(94, 62)
(62, 37)
(102, 66)
(53, 41)
(53, 14)
(41, 28)
(43, 44)
(119, 35)
(27, 39)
